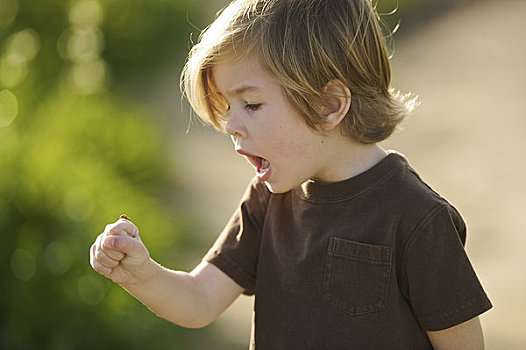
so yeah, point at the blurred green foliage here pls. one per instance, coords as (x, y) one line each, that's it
(75, 152)
(80, 163)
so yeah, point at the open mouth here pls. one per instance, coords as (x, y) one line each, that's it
(263, 168)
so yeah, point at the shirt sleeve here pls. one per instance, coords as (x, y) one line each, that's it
(236, 250)
(440, 281)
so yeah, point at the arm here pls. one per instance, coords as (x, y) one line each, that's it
(188, 299)
(465, 336)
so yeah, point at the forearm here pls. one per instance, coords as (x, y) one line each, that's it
(176, 296)
(188, 299)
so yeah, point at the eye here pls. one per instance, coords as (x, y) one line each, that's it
(252, 106)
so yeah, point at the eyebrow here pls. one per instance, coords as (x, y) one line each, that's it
(242, 89)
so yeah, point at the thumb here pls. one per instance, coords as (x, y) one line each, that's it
(130, 246)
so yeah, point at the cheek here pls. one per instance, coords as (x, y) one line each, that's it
(291, 145)
(284, 134)
(277, 140)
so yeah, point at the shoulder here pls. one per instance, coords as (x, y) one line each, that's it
(408, 184)
(417, 206)
(426, 220)
(412, 194)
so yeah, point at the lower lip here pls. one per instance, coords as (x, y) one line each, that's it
(264, 176)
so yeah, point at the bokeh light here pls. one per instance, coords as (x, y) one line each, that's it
(20, 48)
(8, 107)
(88, 77)
(58, 257)
(90, 289)
(23, 264)
(86, 14)
(8, 11)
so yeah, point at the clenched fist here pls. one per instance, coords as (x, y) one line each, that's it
(119, 254)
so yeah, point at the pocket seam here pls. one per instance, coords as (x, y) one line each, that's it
(383, 261)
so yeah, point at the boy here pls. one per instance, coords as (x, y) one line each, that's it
(341, 242)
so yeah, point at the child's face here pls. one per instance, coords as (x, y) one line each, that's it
(266, 128)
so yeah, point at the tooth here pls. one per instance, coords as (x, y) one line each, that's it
(264, 164)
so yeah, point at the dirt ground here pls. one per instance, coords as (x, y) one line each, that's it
(466, 140)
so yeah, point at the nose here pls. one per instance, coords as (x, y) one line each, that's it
(234, 126)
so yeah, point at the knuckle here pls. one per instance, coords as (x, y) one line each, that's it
(116, 255)
(99, 268)
(98, 255)
(135, 231)
(129, 228)
(97, 242)
(116, 230)
(115, 242)
(110, 263)
(102, 258)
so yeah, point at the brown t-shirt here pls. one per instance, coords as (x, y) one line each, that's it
(366, 263)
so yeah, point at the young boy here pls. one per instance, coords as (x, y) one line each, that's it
(341, 242)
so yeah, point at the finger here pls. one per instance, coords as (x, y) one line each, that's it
(123, 227)
(98, 250)
(103, 270)
(94, 247)
(92, 255)
(112, 253)
(98, 240)
(127, 245)
(104, 259)
(95, 264)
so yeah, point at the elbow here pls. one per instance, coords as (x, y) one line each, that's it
(193, 318)
(194, 323)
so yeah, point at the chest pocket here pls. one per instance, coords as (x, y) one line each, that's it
(356, 276)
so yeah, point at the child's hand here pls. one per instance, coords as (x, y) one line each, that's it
(119, 254)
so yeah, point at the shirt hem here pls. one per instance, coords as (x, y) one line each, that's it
(461, 314)
(232, 270)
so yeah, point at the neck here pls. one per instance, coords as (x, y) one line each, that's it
(347, 159)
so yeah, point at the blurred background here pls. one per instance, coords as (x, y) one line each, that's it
(92, 125)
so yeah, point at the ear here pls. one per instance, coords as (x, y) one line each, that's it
(338, 102)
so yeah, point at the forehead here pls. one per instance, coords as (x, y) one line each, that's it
(243, 75)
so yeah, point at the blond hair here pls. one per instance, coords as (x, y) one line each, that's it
(303, 44)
